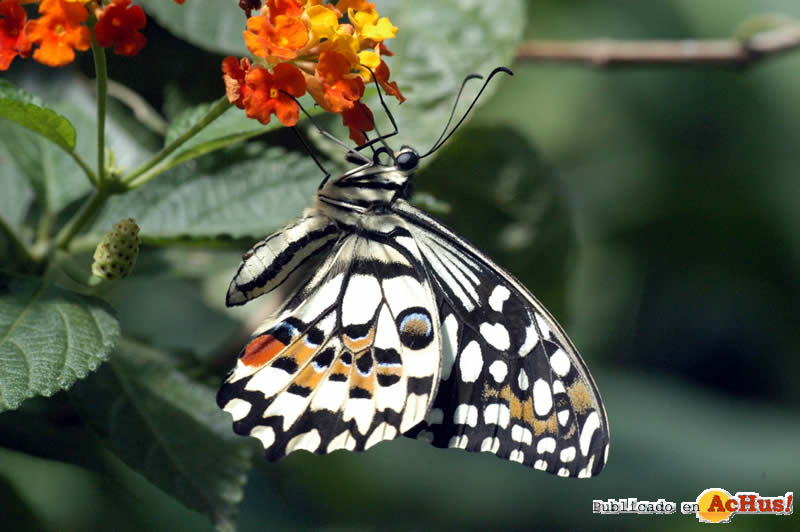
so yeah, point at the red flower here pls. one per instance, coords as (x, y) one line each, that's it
(359, 119)
(390, 88)
(266, 96)
(120, 25)
(13, 41)
(235, 71)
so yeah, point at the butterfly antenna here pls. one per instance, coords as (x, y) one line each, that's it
(381, 138)
(350, 151)
(313, 156)
(453, 111)
(439, 143)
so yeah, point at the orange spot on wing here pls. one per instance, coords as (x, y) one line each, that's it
(261, 350)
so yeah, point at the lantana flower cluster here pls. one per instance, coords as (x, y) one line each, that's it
(64, 26)
(329, 50)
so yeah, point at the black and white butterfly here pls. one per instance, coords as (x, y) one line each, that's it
(395, 325)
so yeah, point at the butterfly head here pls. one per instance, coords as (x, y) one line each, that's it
(377, 182)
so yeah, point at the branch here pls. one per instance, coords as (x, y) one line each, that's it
(717, 52)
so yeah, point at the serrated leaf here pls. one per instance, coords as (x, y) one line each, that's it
(248, 198)
(49, 338)
(28, 111)
(169, 429)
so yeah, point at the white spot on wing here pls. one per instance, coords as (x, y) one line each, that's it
(361, 299)
(496, 335)
(558, 387)
(497, 414)
(499, 296)
(559, 361)
(546, 445)
(563, 472)
(416, 407)
(542, 397)
(238, 408)
(344, 440)
(466, 415)
(521, 434)
(522, 380)
(265, 434)
(541, 465)
(471, 362)
(308, 441)
(287, 405)
(516, 456)
(449, 344)
(563, 417)
(498, 369)
(531, 339)
(490, 445)
(591, 424)
(567, 455)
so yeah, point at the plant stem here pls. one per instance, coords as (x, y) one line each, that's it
(16, 241)
(101, 80)
(143, 174)
(87, 212)
(84, 166)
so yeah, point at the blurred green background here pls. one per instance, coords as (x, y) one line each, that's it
(655, 211)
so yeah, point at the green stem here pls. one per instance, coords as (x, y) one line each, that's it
(84, 166)
(101, 79)
(151, 169)
(87, 212)
(16, 241)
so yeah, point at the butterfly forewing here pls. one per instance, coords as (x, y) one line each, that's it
(351, 359)
(512, 382)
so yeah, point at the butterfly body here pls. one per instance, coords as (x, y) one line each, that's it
(394, 325)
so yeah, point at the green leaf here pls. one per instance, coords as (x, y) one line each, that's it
(18, 193)
(249, 197)
(170, 430)
(49, 338)
(232, 126)
(208, 24)
(28, 111)
(55, 176)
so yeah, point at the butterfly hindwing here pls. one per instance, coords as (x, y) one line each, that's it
(512, 382)
(349, 360)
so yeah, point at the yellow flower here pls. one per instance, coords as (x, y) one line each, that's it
(369, 26)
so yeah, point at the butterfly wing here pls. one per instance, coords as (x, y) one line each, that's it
(512, 382)
(351, 358)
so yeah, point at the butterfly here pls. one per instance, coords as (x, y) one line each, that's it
(393, 324)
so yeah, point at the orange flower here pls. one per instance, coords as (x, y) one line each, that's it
(280, 39)
(179, 1)
(235, 71)
(12, 35)
(358, 119)
(290, 8)
(266, 96)
(120, 25)
(58, 32)
(335, 87)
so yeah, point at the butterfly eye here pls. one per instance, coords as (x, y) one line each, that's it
(407, 160)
